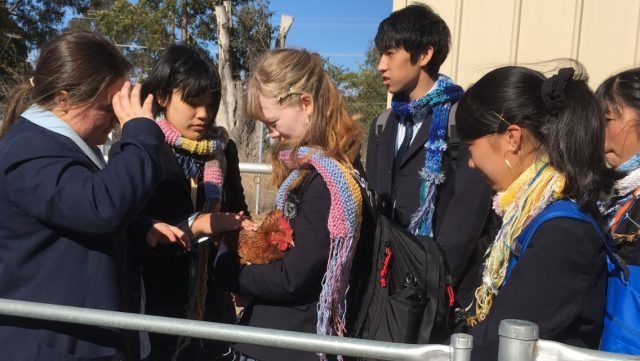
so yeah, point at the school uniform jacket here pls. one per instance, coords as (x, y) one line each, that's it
(166, 268)
(286, 292)
(61, 237)
(559, 283)
(463, 204)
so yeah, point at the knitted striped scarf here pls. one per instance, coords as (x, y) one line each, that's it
(439, 100)
(526, 197)
(197, 153)
(345, 216)
(199, 157)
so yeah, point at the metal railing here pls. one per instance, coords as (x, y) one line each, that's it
(259, 168)
(518, 339)
(458, 350)
(519, 342)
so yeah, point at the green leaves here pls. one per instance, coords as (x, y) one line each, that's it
(363, 90)
(145, 28)
(24, 26)
(252, 33)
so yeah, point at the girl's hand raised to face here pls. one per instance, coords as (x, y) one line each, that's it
(126, 104)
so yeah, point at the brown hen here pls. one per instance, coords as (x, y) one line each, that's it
(273, 237)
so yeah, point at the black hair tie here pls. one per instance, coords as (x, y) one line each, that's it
(553, 90)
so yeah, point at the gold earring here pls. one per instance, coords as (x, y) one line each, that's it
(506, 161)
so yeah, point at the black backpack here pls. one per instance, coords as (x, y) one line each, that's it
(400, 289)
(407, 296)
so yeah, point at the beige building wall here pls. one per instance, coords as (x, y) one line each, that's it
(602, 34)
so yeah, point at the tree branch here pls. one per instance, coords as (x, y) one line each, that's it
(285, 25)
(14, 6)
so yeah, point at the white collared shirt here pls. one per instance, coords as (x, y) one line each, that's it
(402, 129)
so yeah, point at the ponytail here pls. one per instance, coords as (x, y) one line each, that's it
(574, 137)
(20, 100)
(561, 113)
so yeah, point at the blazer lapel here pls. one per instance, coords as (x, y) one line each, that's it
(419, 140)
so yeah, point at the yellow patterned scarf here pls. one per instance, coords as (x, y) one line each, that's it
(526, 197)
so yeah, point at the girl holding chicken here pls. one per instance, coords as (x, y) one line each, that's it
(315, 162)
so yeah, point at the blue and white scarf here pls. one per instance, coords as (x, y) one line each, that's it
(439, 101)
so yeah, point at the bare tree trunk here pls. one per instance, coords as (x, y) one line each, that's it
(285, 25)
(172, 20)
(229, 106)
(184, 36)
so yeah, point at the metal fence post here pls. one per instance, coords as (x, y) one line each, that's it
(461, 345)
(258, 179)
(517, 340)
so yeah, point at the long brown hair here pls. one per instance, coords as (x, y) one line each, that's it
(292, 72)
(82, 63)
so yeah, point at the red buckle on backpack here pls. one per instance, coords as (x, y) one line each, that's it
(385, 268)
(452, 299)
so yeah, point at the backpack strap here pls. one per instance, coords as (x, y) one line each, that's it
(562, 209)
(453, 141)
(437, 280)
(381, 122)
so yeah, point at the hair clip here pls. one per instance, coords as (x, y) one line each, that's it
(553, 90)
(281, 96)
(31, 82)
(500, 116)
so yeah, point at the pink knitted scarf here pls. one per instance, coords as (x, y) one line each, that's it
(205, 149)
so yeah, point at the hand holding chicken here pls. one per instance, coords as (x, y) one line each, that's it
(268, 243)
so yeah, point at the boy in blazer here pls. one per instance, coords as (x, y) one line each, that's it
(424, 188)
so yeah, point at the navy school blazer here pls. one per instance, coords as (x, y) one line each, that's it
(285, 293)
(559, 283)
(64, 230)
(463, 212)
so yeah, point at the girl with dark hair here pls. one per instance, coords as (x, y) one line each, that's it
(199, 178)
(315, 162)
(536, 140)
(619, 96)
(64, 212)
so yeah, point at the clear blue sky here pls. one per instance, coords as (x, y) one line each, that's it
(337, 29)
